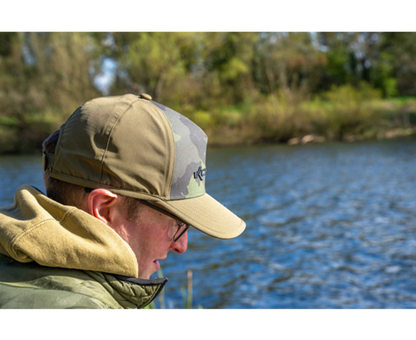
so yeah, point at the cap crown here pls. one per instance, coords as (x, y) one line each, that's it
(133, 146)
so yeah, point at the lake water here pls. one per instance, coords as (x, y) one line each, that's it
(328, 226)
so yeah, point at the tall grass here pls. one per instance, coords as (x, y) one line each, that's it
(186, 294)
(343, 113)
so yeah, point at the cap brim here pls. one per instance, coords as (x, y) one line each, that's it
(207, 215)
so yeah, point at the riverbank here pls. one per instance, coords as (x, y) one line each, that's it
(234, 139)
(347, 118)
(342, 114)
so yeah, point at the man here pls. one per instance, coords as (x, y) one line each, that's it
(125, 179)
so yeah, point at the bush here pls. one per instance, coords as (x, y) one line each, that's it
(346, 110)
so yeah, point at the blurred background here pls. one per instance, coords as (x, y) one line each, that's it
(311, 141)
(242, 88)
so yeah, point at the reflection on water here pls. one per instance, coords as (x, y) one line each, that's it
(328, 226)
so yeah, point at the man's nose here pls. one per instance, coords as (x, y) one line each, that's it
(181, 245)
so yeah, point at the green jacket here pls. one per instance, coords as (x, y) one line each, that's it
(56, 256)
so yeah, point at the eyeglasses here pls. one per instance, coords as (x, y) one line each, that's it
(178, 233)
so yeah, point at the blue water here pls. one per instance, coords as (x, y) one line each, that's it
(328, 226)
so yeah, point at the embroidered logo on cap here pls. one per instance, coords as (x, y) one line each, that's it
(200, 173)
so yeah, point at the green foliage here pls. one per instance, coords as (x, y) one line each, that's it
(337, 70)
(154, 61)
(348, 111)
(242, 87)
(383, 75)
(43, 78)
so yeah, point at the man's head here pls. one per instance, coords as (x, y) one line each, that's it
(149, 232)
(129, 148)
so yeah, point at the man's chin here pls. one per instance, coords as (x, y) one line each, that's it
(147, 273)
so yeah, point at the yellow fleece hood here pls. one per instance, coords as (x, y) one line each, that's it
(36, 228)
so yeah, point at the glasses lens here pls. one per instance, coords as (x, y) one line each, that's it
(180, 227)
(182, 230)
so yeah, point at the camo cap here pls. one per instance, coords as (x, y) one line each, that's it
(138, 148)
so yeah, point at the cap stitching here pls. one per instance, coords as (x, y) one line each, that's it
(216, 231)
(110, 135)
(172, 139)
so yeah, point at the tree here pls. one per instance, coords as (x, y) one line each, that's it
(43, 78)
(287, 62)
(154, 61)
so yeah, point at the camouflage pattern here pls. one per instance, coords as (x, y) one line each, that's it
(190, 154)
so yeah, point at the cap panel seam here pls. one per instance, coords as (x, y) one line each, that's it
(172, 146)
(57, 151)
(120, 115)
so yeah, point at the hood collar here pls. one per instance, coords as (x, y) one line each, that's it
(36, 228)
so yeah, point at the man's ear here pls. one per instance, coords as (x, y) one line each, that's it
(101, 204)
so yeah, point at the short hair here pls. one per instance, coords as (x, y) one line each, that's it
(63, 192)
(72, 194)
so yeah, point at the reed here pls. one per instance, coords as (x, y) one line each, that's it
(186, 294)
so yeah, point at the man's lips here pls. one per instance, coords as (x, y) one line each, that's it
(160, 258)
(156, 262)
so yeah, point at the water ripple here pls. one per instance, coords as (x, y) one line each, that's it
(328, 226)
